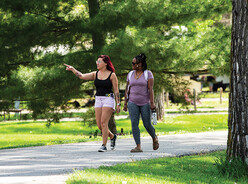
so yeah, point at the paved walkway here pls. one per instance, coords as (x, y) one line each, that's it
(52, 164)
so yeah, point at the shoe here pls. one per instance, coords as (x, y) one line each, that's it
(155, 144)
(102, 148)
(136, 150)
(112, 146)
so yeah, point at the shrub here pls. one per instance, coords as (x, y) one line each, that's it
(89, 117)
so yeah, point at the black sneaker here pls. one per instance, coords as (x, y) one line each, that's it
(112, 146)
(102, 148)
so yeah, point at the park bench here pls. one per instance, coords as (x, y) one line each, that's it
(8, 111)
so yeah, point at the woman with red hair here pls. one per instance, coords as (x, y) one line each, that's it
(104, 79)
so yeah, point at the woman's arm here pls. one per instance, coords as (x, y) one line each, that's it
(114, 80)
(86, 76)
(126, 96)
(150, 88)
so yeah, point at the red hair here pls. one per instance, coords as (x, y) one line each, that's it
(106, 59)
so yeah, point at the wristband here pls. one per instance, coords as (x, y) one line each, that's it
(118, 104)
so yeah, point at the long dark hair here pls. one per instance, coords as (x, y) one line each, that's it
(141, 58)
(106, 59)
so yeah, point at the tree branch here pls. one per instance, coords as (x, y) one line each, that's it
(19, 63)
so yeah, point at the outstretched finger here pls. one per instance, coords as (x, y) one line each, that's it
(66, 65)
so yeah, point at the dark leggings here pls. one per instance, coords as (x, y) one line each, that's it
(134, 113)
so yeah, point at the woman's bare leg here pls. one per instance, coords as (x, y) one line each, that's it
(98, 113)
(105, 116)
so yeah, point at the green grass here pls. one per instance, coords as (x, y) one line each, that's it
(24, 134)
(27, 140)
(213, 104)
(189, 169)
(192, 123)
(214, 95)
(35, 133)
(204, 104)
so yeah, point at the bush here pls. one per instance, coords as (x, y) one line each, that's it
(89, 117)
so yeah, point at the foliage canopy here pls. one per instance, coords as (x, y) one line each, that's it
(37, 37)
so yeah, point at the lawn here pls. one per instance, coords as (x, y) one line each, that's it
(35, 133)
(189, 170)
(214, 95)
(209, 101)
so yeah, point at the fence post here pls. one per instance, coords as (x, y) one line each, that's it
(221, 91)
(194, 93)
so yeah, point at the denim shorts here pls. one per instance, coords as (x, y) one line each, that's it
(104, 101)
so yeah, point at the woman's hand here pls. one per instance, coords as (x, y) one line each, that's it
(152, 106)
(125, 107)
(118, 108)
(69, 68)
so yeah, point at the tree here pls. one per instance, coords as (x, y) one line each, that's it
(33, 32)
(237, 145)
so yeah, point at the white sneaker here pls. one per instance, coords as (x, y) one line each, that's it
(102, 148)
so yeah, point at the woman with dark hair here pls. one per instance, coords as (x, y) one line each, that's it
(104, 80)
(139, 99)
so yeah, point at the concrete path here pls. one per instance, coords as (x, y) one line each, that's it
(52, 164)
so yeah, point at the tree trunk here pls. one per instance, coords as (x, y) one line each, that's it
(159, 102)
(237, 145)
(97, 35)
